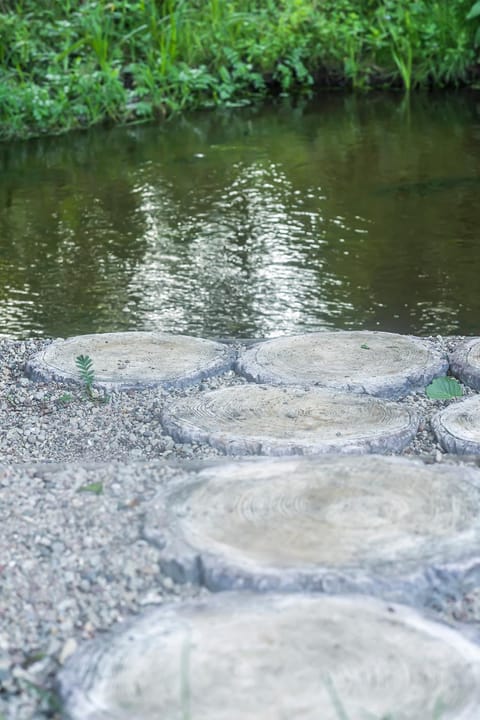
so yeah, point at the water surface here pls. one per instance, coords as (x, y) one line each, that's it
(347, 212)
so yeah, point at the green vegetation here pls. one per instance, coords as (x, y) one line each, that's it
(444, 388)
(76, 63)
(47, 697)
(84, 364)
(96, 488)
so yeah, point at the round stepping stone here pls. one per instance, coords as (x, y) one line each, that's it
(133, 360)
(267, 420)
(457, 428)
(387, 526)
(465, 363)
(377, 363)
(244, 657)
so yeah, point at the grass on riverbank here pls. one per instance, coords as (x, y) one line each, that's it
(76, 63)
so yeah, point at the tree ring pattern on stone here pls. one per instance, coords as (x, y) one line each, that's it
(333, 523)
(266, 420)
(377, 363)
(133, 360)
(457, 427)
(244, 657)
(465, 362)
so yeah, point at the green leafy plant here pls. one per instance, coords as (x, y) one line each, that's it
(402, 39)
(75, 63)
(444, 388)
(84, 364)
(474, 14)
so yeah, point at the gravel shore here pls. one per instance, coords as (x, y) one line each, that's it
(76, 475)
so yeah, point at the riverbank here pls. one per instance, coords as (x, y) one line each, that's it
(76, 478)
(79, 64)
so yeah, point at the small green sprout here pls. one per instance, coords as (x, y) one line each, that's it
(84, 364)
(96, 488)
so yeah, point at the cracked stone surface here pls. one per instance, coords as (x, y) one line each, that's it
(127, 360)
(244, 657)
(377, 363)
(267, 420)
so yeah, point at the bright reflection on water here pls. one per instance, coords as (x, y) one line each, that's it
(347, 213)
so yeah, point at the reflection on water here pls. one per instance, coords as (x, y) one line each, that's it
(347, 213)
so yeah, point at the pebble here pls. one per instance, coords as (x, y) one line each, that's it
(68, 649)
(72, 561)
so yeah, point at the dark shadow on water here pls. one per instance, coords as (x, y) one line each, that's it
(432, 185)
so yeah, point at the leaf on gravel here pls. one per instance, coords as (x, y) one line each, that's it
(95, 487)
(444, 388)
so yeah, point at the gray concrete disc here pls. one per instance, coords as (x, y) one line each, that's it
(457, 428)
(266, 420)
(382, 364)
(387, 526)
(465, 362)
(127, 360)
(243, 657)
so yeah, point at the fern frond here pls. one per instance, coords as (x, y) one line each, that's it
(84, 364)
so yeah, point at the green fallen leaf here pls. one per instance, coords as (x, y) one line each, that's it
(444, 388)
(365, 346)
(95, 487)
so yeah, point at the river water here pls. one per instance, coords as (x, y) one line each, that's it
(347, 212)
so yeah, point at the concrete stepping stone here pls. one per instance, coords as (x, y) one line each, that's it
(387, 526)
(377, 363)
(133, 360)
(465, 363)
(457, 428)
(244, 657)
(268, 420)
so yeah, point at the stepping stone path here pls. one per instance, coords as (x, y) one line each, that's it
(392, 527)
(383, 364)
(245, 657)
(465, 363)
(267, 420)
(458, 427)
(122, 361)
(348, 523)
